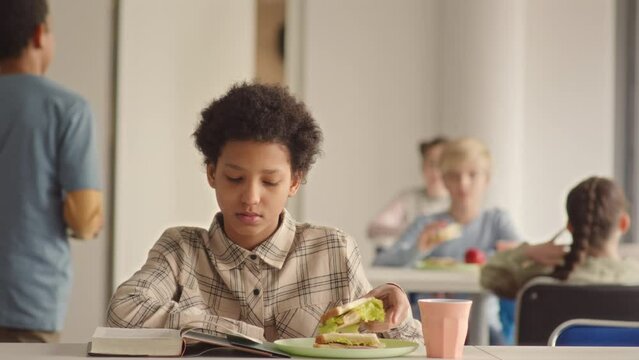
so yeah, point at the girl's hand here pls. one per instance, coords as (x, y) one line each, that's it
(548, 253)
(396, 307)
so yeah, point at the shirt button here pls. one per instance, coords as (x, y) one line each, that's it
(256, 292)
(253, 256)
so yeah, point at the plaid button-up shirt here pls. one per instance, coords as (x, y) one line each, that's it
(199, 278)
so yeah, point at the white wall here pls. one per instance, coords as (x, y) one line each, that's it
(479, 73)
(533, 79)
(569, 104)
(368, 80)
(82, 62)
(173, 60)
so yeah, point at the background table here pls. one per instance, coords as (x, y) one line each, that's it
(561, 353)
(415, 280)
(449, 281)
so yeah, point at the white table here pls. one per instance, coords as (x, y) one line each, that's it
(457, 281)
(470, 353)
(414, 280)
(78, 351)
(561, 353)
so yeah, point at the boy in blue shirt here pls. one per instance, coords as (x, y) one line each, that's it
(465, 164)
(49, 181)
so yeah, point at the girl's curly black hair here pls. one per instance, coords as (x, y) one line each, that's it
(264, 113)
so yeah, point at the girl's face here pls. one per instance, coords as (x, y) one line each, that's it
(466, 183)
(430, 167)
(252, 182)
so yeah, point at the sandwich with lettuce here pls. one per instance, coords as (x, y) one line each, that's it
(339, 326)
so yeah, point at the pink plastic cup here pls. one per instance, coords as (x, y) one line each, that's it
(445, 325)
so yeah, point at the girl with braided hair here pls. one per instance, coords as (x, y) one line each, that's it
(597, 218)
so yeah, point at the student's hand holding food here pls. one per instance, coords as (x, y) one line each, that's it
(437, 232)
(548, 253)
(396, 307)
(382, 309)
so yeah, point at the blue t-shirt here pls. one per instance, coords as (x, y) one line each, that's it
(482, 233)
(47, 148)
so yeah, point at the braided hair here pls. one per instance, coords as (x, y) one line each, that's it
(593, 207)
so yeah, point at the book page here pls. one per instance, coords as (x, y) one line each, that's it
(222, 330)
(240, 343)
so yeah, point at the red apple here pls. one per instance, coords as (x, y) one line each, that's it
(474, 256)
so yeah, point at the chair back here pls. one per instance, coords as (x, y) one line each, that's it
(592, 332)
(545, 303)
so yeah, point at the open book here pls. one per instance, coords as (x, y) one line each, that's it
(171, 342)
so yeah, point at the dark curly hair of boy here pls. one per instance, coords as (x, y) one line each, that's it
(263, 113)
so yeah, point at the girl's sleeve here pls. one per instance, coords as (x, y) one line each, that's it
(389, 221)
(155, 298)
(508, 271)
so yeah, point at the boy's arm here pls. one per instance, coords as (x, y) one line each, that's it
(505, 230)
(153, 297)
(83, 213)
(404, 252)
(79, 171)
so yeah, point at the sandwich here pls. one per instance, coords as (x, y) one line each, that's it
(448, 232)
(347, 318)
(348, 341)
(339, 326)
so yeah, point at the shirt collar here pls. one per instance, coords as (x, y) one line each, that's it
(228, 255)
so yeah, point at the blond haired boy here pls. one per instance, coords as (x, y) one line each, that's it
(465, 165)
